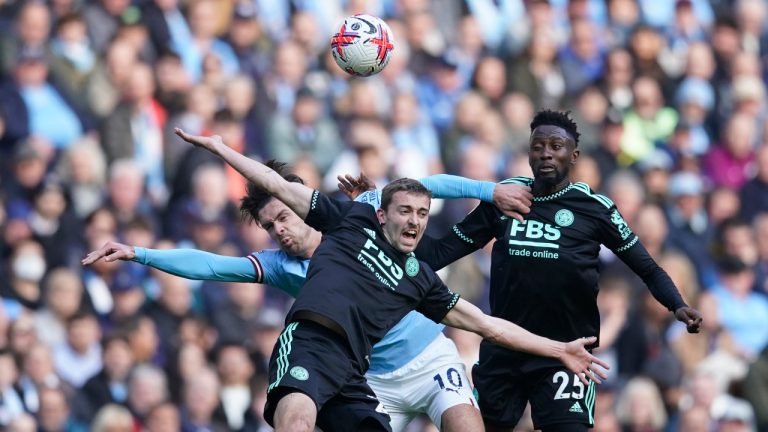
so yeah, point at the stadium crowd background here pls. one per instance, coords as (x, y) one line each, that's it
(669, 96)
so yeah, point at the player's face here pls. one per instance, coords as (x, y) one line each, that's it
(552, 154)
(405, 220)
(285, 227)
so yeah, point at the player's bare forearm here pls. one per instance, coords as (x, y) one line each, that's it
(295, 195)
(501, 332)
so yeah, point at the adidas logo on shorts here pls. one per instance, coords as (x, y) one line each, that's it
(576, 408)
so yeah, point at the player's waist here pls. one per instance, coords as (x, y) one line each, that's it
(323, 321)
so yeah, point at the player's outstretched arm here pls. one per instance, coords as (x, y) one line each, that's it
(295, 195)
(578, 360)
(186, 263)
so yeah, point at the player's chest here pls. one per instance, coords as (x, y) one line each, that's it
(546, 232)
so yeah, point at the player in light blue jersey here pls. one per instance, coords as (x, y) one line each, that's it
(414, 369)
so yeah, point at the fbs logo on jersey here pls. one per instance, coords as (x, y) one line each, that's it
(576, 408)
(299, 373)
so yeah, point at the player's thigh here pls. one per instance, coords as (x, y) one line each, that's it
(449, 389)
(395, 395)
(560, 398)
(354, 408)
(305, 361)
(501, 394)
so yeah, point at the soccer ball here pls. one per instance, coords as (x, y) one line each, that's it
(363, 45)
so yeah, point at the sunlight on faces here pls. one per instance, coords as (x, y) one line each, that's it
(552, 153)
(405, 219)
(285, 227)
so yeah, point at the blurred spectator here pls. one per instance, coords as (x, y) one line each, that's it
(103, 18)
(695, 100)
(737, 309)
(23, 423)
(616, 82)
(731, 162)
(11, 404)
(169, 308)
(134, 131)
(754, 193)
(413, 135)
(166, 24)
(112, 418)
(54, 225)
(110, 384)
(73, 59)
(234, 318)
(126, 196)
(306, 131)
(54, 414)
(34, 106)
(649, 123)
(163, 418)
(37, 374)
(723, 203)
(640, 407)
(32, 30)
(582, 57)
(756, 389)
(27, 268)
(537, 74)
(201, 405)
(655, 172)
(105, 85)
(142, 335)
(235, 369)
(62, 299)
(83, 171)
(78, 358)
(147, 388)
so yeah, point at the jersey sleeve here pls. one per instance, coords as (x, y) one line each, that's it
(325, 213)
(658, 281)
(469, 235)
(273, 268)
(197, 264)
(453, 187)
(613, 230)
(438, 301)
(371, 197)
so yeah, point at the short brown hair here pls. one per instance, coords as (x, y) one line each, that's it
(406, 185)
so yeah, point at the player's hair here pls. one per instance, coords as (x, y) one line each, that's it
(256, 198)
(406, 185)
(557, 118)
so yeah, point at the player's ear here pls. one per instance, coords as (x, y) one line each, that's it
(575, 155)
(381, 216)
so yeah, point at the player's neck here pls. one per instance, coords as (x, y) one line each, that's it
(543, 188)
(314, 241)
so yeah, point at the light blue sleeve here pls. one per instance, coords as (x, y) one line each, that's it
(443, 186)
(197, 264)
(280, 270)
(451, 187)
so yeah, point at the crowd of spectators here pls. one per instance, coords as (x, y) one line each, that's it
(670, 98)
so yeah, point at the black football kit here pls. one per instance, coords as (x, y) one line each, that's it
(362, 286)
(544, 277)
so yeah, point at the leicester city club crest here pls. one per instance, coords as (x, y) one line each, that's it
(411, 266)
(564, 217)
(299, 373)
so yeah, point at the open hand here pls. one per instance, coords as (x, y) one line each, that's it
(581, 362)
(111, 251)
(514, 200)
(353, 186)
(207, 142)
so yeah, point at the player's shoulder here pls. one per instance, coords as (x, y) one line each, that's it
(275, 256)
(521, 180)
(590, 197)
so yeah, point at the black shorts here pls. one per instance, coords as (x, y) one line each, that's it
(505, 380)
(314, 360)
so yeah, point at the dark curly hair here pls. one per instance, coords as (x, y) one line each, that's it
(256, 198)
(557, 118)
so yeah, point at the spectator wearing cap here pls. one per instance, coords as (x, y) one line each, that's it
(34, 106)
(441, 90)
(695, 100)
(731, 162)
(690, 229)
(127, 295)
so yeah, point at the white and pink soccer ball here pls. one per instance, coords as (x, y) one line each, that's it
(363, 45)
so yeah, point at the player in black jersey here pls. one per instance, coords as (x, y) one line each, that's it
(362, 279)
(544, 274)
